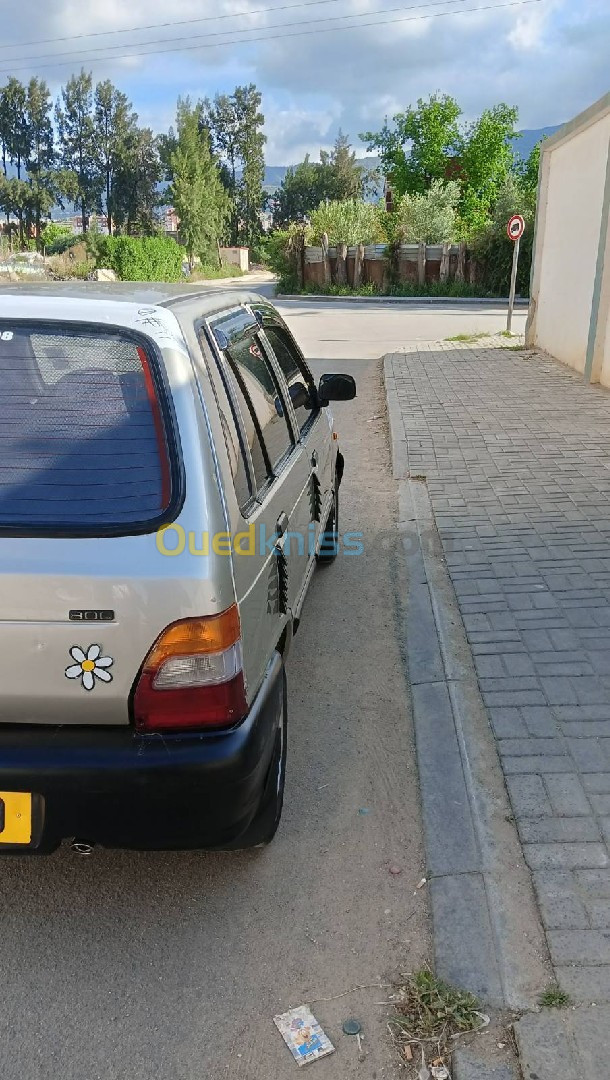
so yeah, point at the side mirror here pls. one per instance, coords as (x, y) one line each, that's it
(336, 388)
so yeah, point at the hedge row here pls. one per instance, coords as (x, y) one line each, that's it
(135, 258)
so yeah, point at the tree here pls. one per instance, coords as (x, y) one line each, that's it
(16, 131)
(197, 192)
(487, 159)
(251, 194)
(15, 199)
(347, 221)
(303, 188)
(336, 176)
(346, 177)
(422, 146)
(115, 124)
(77, 142)
(492, 247)
(135, 184)
(529, 170)
(429, 143)
(41, 151)
(430, 218)
(234, 122)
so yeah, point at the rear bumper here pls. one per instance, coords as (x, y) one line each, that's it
(112, 787)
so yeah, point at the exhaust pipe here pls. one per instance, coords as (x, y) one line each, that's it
(81, 847)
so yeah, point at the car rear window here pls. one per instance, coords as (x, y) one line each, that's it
(83, 442)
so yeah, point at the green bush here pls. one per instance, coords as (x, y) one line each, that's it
(438, 288)
(280, 254)
(368, 289)
(430, 217)
(57, 238)
(138, 258)
(349, 221)
(494, 251)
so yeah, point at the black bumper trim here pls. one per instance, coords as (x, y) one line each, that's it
(113, 787)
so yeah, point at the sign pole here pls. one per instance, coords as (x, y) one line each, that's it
(513, 285)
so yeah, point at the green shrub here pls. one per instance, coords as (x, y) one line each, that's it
(348, 221)
(368, 289)
(494, 251)
(138, 258)
(281, 248)
(57, 238)
(430, 217)
(454, 289)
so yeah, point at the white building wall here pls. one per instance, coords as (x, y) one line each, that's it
(573, 194)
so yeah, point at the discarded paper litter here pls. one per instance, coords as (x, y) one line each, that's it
(303, 1035)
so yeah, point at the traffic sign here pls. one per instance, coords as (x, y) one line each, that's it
(516, 227)
(515, 230)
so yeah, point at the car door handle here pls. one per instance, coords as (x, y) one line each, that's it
(282, 524)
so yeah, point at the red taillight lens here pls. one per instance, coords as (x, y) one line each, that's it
(192, 678)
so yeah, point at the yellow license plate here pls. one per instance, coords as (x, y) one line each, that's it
(15, 817)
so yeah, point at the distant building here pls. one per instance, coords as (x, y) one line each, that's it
(170, 220)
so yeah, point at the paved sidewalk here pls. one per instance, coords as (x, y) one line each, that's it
(515, 450)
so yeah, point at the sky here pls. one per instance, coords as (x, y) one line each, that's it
(322, 65)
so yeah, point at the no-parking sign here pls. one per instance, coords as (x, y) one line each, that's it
(516, 227)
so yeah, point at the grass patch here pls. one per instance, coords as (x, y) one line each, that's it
(554, 998)
(214, 273)
(340, 290)
(447, 289)
(513, 348)
(429, 1010)
(468, 337)
(455, 289)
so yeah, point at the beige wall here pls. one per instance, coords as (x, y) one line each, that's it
(236, 256)
(601, 356)
(573, 189)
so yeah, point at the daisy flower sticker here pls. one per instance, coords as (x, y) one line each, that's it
(89, 666)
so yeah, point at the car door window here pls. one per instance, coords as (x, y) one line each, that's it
(295, 372)
(230, 415)
(262, 405)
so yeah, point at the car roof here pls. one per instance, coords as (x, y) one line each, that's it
(160, 293)
(86, 300)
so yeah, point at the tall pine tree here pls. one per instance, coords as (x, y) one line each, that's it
(199, 198)
(77, 142)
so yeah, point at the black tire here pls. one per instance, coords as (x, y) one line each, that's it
(329, 547)
(264, 825)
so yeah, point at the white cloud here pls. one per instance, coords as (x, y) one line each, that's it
(549, 58)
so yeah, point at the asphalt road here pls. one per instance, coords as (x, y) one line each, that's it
(343, 329)
(171, 966)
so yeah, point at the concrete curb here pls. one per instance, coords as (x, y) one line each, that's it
(488, 936)
(433, 301)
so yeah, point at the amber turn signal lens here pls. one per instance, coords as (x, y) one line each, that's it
(193, 637)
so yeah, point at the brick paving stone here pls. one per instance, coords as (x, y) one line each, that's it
(561, 901)
(567, 795)
(569, 856)
(516, 453)
(528, 796)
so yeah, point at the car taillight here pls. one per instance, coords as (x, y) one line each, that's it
(192, 678)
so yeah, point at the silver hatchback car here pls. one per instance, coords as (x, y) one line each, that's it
(169, 478)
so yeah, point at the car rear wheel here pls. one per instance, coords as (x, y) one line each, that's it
(264, 826)
(329, 546)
